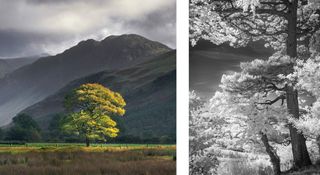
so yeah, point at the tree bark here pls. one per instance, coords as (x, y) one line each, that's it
(87, 142)
(301, 156)
(274, 158)
(300, 153)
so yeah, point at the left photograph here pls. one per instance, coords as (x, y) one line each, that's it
(88, 87)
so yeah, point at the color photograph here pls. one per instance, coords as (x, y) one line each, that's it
(254, 87)
(88, 87)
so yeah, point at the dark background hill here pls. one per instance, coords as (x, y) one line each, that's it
(208, 62)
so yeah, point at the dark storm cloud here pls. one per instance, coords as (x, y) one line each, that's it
(30, 27)
(149, 25)
(14, 43)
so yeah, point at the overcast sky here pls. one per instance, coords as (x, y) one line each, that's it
(32, 27)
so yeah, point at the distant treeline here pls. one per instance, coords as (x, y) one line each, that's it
(25, 129)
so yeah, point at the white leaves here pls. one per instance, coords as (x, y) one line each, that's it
(248, 4)
(315, 43)
(246, 116)
(308, 73)
(308, 79)
(207, 24)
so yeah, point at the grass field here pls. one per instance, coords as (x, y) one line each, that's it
(76, 159)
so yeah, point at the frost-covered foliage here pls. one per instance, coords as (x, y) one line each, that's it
(252, 105)
(241, 21)
(260, 76)
(248, 4)
(202, 132)
(260, 103)
(246, 118)
(308, 75)
(207, 24)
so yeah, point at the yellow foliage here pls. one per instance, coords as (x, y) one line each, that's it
(93, 105)
(97, 97)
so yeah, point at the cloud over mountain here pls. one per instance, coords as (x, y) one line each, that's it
(30, 27)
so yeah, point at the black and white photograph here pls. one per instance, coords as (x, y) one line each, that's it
(254, 92)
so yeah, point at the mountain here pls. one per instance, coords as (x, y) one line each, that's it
(149, 90)
(33, 83)
(253, 49)
(208, 62)
(11, 64)
(4, 68)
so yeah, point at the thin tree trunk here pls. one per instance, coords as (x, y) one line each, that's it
(87, 142)
(318, 142)
(274, 158)
(300, 153)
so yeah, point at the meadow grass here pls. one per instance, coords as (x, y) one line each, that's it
(73, 159)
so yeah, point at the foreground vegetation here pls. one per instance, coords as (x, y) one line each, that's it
(238, 163)
(65, 159)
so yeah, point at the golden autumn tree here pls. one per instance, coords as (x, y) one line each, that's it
(91, 108)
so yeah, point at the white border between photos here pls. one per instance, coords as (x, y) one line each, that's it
(182, 87)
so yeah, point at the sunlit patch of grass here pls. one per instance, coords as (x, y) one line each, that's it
(80, 147)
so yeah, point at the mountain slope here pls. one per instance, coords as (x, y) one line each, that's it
(208, 62)
(4, 68)
(9, 65)
(32, 83)
(148, 88)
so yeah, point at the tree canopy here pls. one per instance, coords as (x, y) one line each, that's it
(24, 129)
(241, 21)
(91, 108)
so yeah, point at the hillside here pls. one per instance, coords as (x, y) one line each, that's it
(11, 64)
(4, 68)
(149, 89)
(208, 62)
(33, 83)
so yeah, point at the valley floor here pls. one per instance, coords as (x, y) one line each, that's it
(115, 159)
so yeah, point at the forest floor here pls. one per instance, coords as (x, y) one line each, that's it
(113, 159)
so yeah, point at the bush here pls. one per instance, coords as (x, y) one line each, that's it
(203, 164)
(244, 166)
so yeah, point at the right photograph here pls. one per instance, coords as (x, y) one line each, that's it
(254, 95)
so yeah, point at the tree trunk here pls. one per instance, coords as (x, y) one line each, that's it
(301, 156)
(87, 142)
(299, 149)
(274, 158)
(318, 142)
